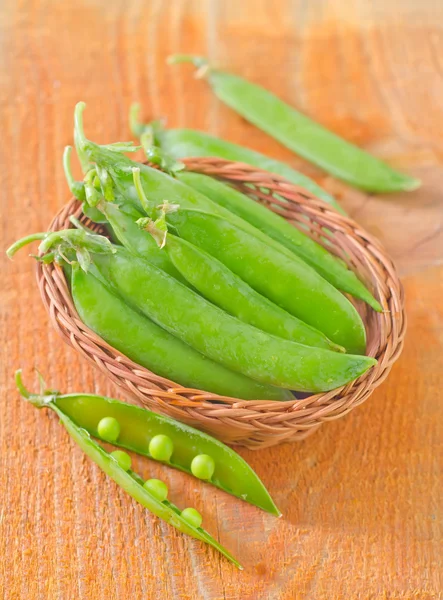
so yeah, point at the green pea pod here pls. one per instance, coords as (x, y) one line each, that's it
(158, 187)
(184, 143)
(128, 481)
(152, 347)
(138, 426)
(228, 291)
(330, 267)
(301, 134)
(289, 283)
(223, 338)
(116, 169)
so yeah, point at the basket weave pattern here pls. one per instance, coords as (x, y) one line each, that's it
(251, 423)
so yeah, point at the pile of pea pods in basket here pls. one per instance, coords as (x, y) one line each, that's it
(201, 285)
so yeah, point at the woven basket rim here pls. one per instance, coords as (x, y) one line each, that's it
(364, 252)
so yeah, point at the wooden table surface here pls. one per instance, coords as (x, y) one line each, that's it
(359, 497)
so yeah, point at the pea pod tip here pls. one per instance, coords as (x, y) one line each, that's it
(413, 184)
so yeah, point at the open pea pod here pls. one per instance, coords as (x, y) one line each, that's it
(139, 426)
(124, 477)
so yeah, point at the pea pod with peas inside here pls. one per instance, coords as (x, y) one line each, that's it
(143, 341)
(217, 335)
(301, 134)
(70, 410)
(161, 438)
(330, 267)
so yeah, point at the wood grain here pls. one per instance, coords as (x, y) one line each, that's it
(360, 497)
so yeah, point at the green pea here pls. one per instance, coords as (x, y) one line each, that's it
(108, 429)
(123, 459)
(192, 516)
(158, 488)
(161, 447)
(203, 466)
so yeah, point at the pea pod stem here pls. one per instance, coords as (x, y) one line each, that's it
(81, 142)
(21, 386)
(77, 188)
(128, 481)
(137, 127)
(197, 61)
(55, 245)
(301, 134)
(24, 241)
(148, 206)
(79, 136)
(75, 237)
(79, 225)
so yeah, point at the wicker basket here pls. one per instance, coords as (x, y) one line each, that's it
(254, 424)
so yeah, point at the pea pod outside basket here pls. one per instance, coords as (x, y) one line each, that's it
(251, 423)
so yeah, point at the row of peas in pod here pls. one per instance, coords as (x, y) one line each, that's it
(201, 284)
(88, 416)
